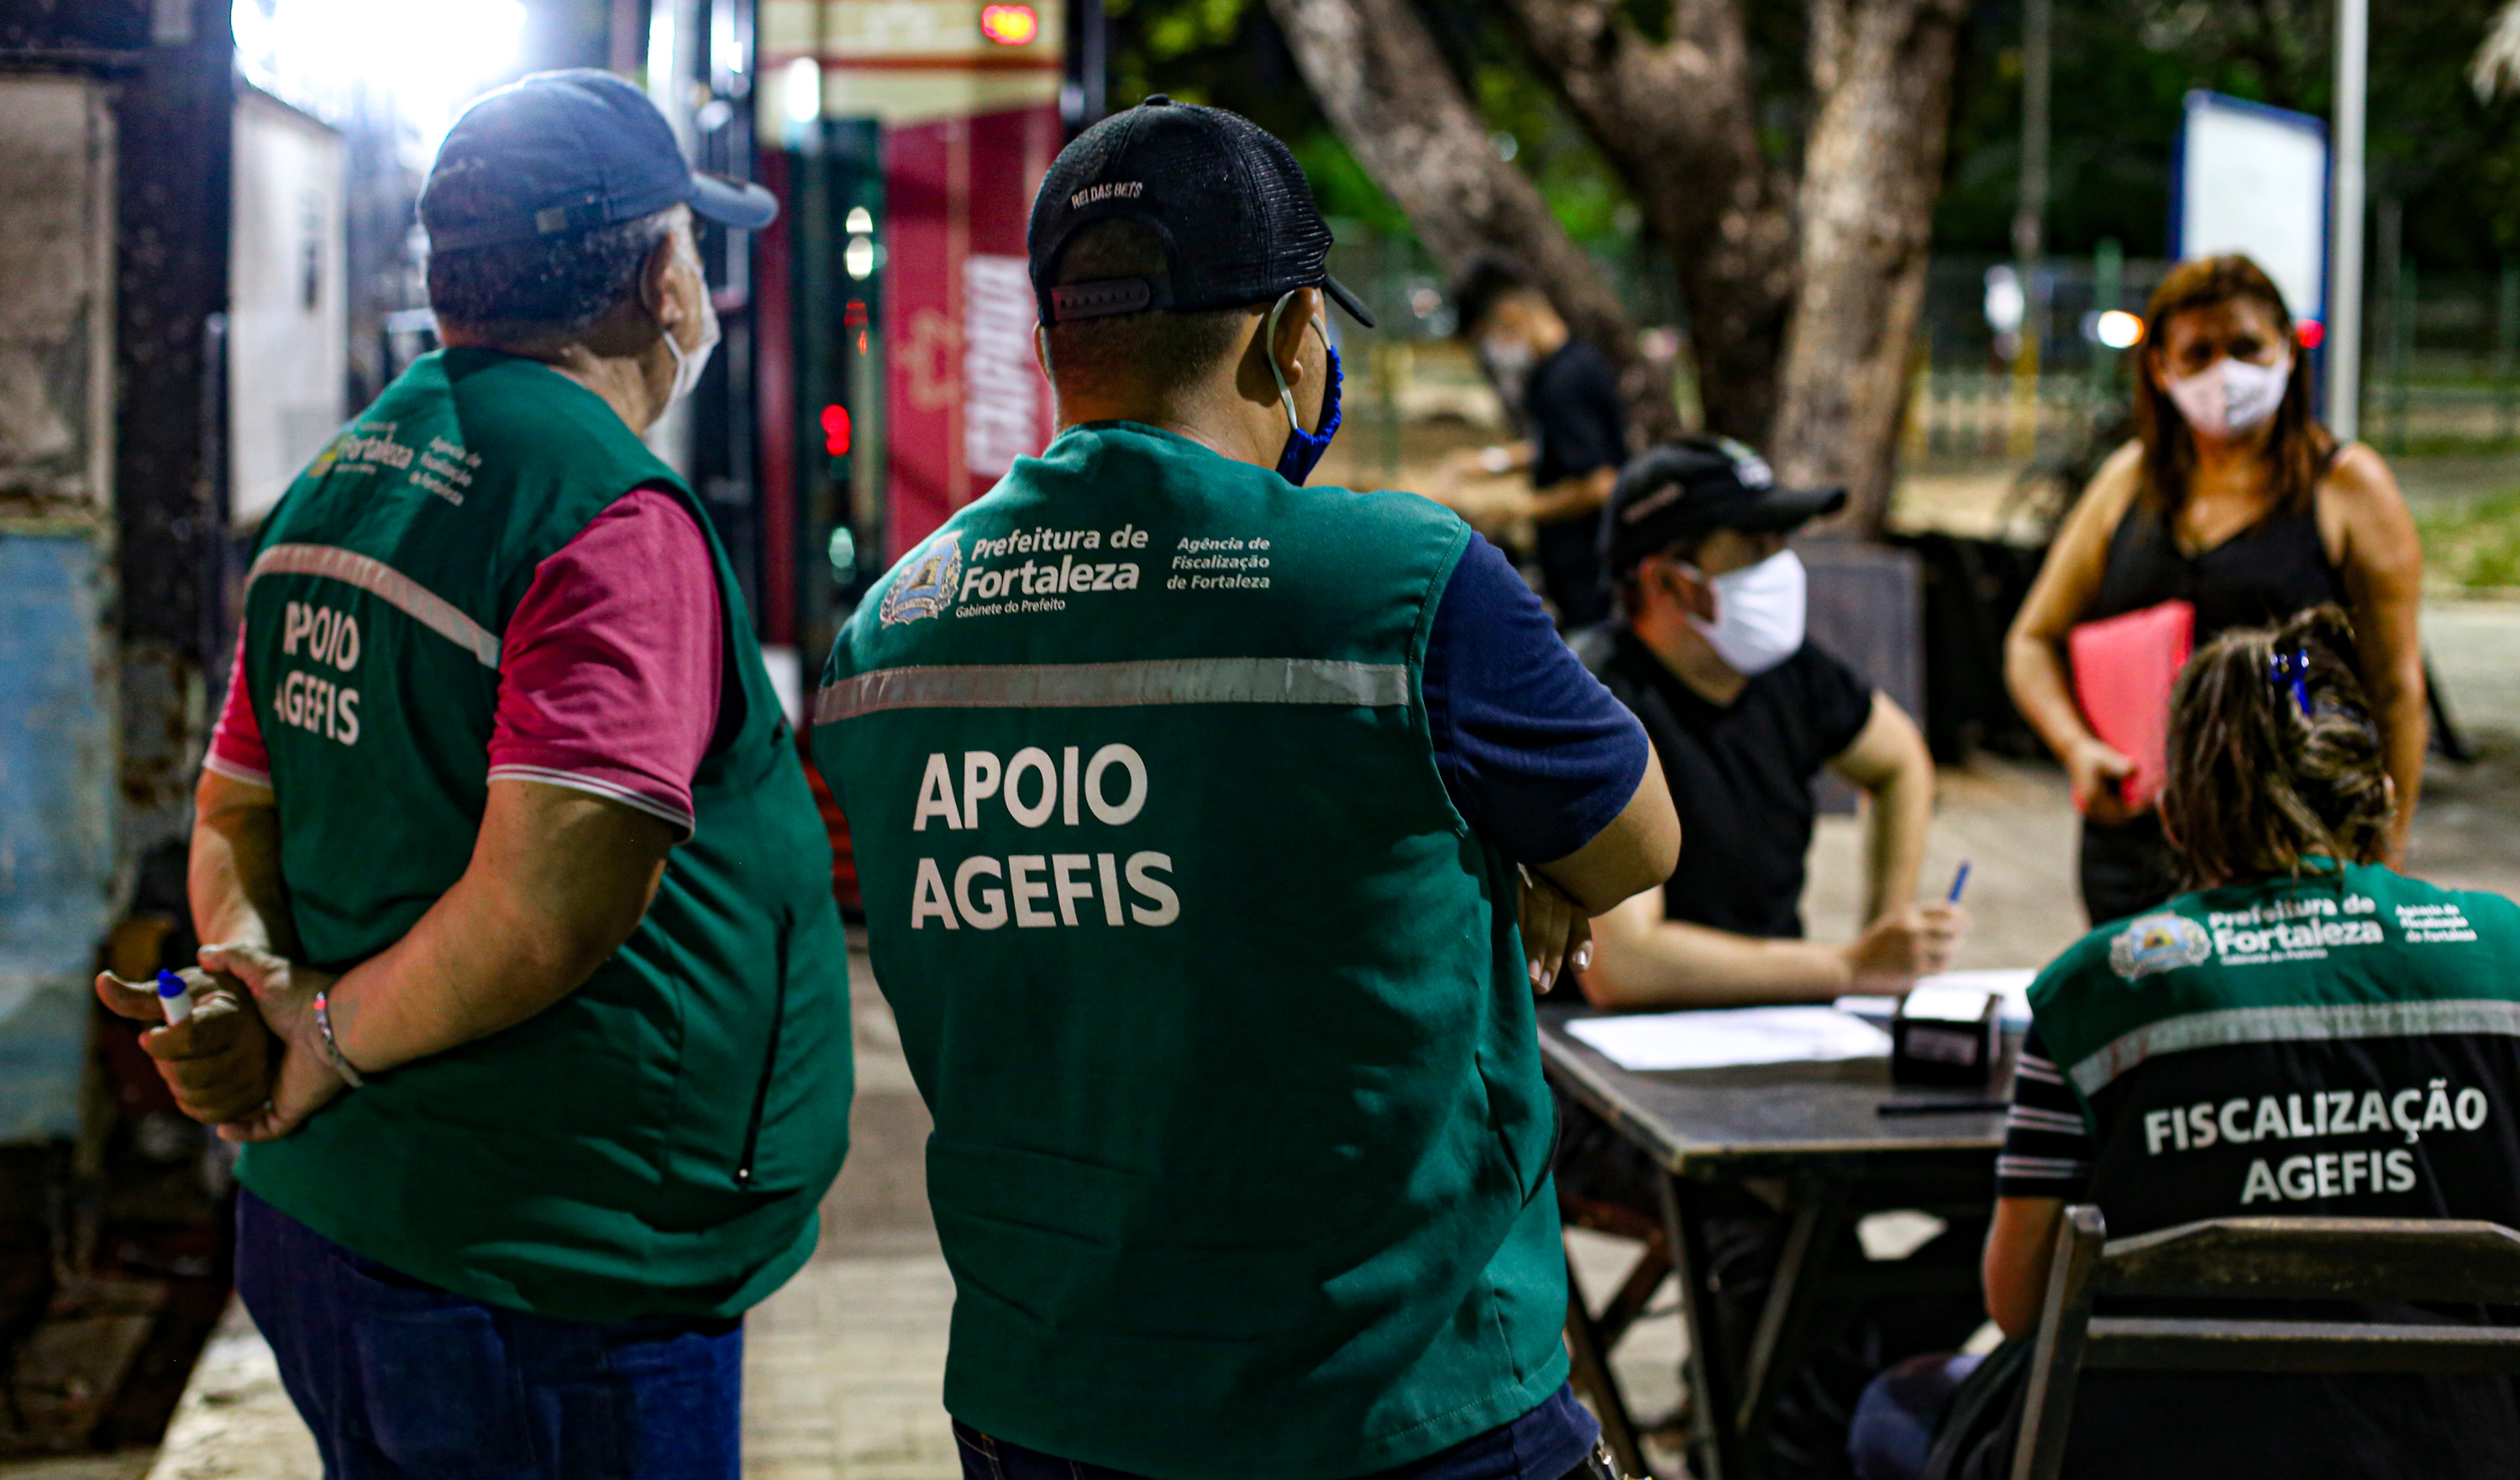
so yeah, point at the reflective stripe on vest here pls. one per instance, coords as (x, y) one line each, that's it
(2323, 1022)
(385, 584)
(1108, 685)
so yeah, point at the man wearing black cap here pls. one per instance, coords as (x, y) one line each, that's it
(1745, 713)
(1189, 803)
(547, 1116)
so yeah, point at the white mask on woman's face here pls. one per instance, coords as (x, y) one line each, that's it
(1759, 612)
(2231, 396)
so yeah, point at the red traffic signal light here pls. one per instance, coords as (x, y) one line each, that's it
(835, 430)
(1010, 25)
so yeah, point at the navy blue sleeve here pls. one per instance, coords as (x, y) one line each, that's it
(1536, 754)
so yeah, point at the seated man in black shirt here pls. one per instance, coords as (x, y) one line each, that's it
(1744, 713)
(1579, 428)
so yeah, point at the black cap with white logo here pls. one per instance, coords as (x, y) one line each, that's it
(1693, 488)
(1235, 217)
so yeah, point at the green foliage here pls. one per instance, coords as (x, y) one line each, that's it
(2474, 545)
(1341, 185)
(1578, 184)
(2122, 67)
(1228, 52)
(1195, 26)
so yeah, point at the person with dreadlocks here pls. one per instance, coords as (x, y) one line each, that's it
(2233, 499)
(2305, 1032)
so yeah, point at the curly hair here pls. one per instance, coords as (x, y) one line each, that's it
(2276, 764)
(2299, 447)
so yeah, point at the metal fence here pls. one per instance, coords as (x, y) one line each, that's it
(2441, 361)
(2441, 352)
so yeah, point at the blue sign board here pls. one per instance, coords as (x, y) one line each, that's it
(57, 760)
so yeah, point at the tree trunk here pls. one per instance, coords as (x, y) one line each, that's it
(1882, 74)
(1378, 77)
(1678, 120)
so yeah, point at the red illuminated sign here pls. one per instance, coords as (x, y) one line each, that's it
(1010, 25)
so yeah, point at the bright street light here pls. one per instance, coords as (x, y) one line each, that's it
(2117, 329)
(800, 90)
(429, 56)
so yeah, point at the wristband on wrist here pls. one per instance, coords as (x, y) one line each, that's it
(333, 1054)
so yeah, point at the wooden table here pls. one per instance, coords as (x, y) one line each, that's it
(1811, 1133)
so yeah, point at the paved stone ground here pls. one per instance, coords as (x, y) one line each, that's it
(132, 1465)
(844, 1367)
(235, 1423)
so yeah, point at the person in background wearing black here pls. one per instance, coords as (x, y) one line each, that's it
(1745, 713)
(1579, 428)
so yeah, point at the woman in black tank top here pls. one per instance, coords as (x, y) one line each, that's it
(2236, 499)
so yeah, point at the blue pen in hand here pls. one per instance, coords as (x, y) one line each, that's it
(1960, 881)
(174, 998)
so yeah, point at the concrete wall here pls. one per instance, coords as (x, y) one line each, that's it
(56, 688)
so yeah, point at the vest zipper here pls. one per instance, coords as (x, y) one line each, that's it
(769, 1067)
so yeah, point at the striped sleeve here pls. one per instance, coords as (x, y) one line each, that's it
(611, 666)
(236, 751)
(2047, 1146)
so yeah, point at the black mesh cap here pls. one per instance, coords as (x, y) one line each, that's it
(1235, 217)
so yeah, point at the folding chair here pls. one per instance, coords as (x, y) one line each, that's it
(2363, 1259)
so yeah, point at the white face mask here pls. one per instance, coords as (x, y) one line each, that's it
(2231, 396)
(1759, 612)
(1510, 358)
(689, 363)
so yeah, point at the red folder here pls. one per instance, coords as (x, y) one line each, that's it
(2123, 672)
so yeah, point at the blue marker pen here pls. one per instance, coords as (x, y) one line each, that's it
(1960, 881)
(174, 998)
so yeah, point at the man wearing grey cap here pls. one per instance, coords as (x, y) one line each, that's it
(544, 1115)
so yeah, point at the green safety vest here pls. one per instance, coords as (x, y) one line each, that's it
(1241, 1143)
(2335, 955)
(2350, 1038)
(2345, 1045)
(657, 1142)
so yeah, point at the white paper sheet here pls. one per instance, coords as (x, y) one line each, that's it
(1725, 1037)
(2011, 984)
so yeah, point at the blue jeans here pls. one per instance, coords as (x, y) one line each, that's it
(401, 1380)
(1893, 1433)
(1550, 1443)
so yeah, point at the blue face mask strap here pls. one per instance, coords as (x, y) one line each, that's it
(1303, 449)
(2294, 668)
